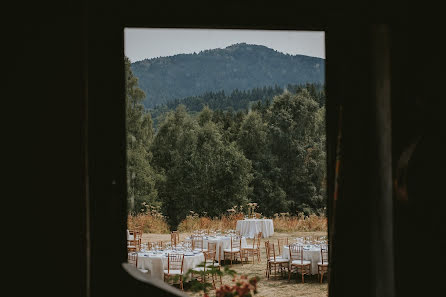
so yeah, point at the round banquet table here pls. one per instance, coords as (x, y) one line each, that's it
(156, 263)
(312, 253)
(250, 227)
(222, 242)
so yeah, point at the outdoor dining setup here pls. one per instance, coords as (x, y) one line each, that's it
(164, 260)
(206, 249)
(305, 256)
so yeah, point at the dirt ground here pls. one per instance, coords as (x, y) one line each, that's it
(275, 286)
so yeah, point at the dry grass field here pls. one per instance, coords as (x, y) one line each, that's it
(272, 287)
(154, 222)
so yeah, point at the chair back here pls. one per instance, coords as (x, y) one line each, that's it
(209, 257)
(270, 251)
(134, 234)
(133, 245)
(257, 240)
(154, 244)
(212, 246)
(197, 242)
(235, 242)
(174, 238)
(281, 242)
(175, 262)
(134, 238)
(132, 258)
(296, 252)
(266, 249)
(324, 254)
(138, 234)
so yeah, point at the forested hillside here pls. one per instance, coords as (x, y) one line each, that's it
(239, 66)
(209, 162)
(237, 100)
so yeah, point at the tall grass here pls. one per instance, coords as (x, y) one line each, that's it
(148, 223)
(154, 222)
(286, 223)
(195, 222)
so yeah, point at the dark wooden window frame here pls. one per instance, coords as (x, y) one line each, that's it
(356, 76)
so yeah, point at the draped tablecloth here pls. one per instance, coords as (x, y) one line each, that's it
(312, 254)
(250, 227)
(222, 242)
(156, 263)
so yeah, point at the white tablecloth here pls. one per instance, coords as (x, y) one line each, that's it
(157, 263)
(250, 227)
(313, 254)
(222, 242)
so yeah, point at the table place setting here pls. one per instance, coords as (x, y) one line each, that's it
(311, 250)
(155, 260)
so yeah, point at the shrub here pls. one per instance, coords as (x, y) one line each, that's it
(152, 221)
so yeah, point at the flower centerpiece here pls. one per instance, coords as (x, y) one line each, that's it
(251, 210)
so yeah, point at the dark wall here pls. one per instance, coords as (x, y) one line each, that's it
(64, 135)
(43, 115)
(418, 120)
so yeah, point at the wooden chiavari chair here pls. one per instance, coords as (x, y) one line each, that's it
(132, 245)
(152, 245)
(281, 242)
(175, 264)
(277, 262)
(208, 267)
(198, 243)
(132, 258)
(322, 266)
(134, 238)
(253, 250)
(267, 257)
(298, 262)
(174, 238)
(234, 250)
(212, 248)
(259, 238)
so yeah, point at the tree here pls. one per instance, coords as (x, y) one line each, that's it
(203, 173)
(141, 178)
(296, 128)
(173, 148)
(254, 141)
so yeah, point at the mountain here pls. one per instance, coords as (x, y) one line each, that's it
(240, 66)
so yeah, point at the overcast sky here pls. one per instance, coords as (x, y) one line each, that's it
(151, 43)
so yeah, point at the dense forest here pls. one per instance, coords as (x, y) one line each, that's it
(237, 100)
(240, 66)
(272, 153)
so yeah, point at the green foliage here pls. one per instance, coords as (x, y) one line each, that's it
(242, 286)
(141, 178)
(296, 128)
(212, 159)
(239, 66)
(285, 142)
(202, 172)
(192, 277)
(236, 100)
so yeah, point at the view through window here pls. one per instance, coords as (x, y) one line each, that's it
(226, 160)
